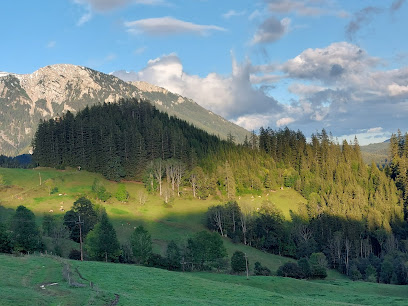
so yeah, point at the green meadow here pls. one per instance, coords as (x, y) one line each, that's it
(177, 221)
(105, 283)
(22, 277)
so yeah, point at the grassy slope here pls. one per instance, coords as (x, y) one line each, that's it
(22, 277)
(178, 222)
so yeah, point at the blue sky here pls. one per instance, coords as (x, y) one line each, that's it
(338, 65)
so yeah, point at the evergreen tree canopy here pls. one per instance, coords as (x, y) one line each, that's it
(101, 243)
(24, 231)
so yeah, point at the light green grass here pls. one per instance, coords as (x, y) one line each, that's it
(178, 222)
(135, 285)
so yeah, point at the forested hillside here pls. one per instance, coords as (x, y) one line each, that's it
(354, 214)
(118, 140)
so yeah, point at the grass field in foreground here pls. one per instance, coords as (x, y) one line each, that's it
(22, 277)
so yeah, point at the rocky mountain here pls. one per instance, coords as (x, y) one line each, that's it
(52, 90)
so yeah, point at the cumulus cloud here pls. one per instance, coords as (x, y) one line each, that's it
(271, 30)
(340, 88)
(284, 121)
(168, 26)
(230, 96)
(330, 64)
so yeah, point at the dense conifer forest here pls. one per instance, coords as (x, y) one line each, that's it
(354, 217)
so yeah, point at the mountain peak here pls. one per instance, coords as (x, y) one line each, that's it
(53, 90)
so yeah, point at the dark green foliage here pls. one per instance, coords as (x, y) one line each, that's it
(100, 191)
(238, 262)
(304, 265)
(318, 264)
(126, 255)
(118, 139)
(20, 161)
(290, 269)
(24, 231)
(173, 256)
(101, 243)
(261, 270)
(157, 261)
(400, 276)
(121, 194)
(48, 224)
(141, 243)
(203, 249)
(74, 254)
(387, 270)
(355, 274)
(6, 245)
(84, 209)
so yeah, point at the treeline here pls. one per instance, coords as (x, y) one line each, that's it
(119, 140)
(398, 169)
(20, 161)
(318, 243)
(89, 224)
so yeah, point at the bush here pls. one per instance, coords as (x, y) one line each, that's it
(157, 261)
(355, 274)
(261, 270)
(74, 254)
(318, 264)
(304, 265)
(290, 269)
(238, 262)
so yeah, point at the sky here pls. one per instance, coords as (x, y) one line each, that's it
(308, 65)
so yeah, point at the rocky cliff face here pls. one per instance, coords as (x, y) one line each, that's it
(51, 91)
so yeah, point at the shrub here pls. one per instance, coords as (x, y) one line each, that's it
(318, 264)
(290, 269)
(261, 270)
(304, 265)
(74, 254)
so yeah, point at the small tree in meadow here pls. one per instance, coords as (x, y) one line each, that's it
(141, 243)
(238, 262)
(121, 194)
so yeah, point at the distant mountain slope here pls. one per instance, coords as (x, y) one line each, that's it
(53, 90)
(376, 152)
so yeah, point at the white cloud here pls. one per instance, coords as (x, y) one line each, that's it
(375, 130)
(233, 13)
(284, 121)
(396, 90)
(340, 88)
(254, 122)
(84, 18)
(230, 96)
(168, 26)
(271, 30)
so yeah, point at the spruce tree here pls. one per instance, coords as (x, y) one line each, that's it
(101, 243)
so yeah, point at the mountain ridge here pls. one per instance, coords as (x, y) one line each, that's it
(50, 91)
